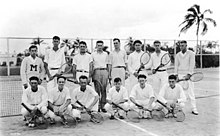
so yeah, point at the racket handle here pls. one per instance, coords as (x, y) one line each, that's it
(25, 106)
(163, 104)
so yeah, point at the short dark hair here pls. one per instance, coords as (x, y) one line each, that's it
(56, 38)
(116, 39)
(82, 42)
(156, 41)
(172, 77)
(142, 76)
(58, 77)
(83, 77)
(183, 41)
(32, 46)
(34, 78)
(137, 41)
(117, 79)
(99, 41)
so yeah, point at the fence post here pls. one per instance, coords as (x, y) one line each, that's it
(8, 58)
(144, 45)
(174, 54)
(200, 54)
(110, 44)
(91, 45)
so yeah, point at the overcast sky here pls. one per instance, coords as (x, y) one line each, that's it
(155, 19)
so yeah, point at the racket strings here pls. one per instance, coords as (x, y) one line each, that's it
(165, 59)
(196, 77)
(145, 58)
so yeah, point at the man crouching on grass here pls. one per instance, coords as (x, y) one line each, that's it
(35, 98)
(59, 100)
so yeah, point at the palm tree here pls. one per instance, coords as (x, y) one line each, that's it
(194, 16)
(38, 41)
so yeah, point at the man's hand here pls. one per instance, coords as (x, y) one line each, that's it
(153, 71)
(25, 86)
(135, 74)
(40, 81)
(187, 77)
(75, 81)
(142, 66)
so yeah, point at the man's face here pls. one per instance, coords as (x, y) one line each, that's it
(99, 46)
(142, 82)
(116, 44)
(172, 83)
(117, 85)
(56, 42)
(61, 83)
(137, 46)
(82, 48)
(83, 83)
(183, 46)
(34, 84)
(157, 46)
(33, 52)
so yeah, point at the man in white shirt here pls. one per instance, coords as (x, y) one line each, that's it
(184, 65)
(160, 77)
(54, 59)
(118, 61)
(35, 98)
(119, 96)
(82, 63)
(172, 94)
(32, 66)
(134, 64)
(86, 95)
(59, 100)
(101, 72)
(142, 94)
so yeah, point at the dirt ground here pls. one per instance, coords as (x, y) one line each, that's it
(207, 123)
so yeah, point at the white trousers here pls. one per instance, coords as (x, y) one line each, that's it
(25, 113)
(53, 83)
(159, 79)
(52, 114)
(110, 109)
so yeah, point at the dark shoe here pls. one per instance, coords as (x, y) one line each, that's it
(121, 117)
(112, 117)
(103, 110)
(195, 112)
(78, 119)
(52, 122)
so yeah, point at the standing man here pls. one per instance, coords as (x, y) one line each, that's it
(82, 63)
(184, 66)
(101, 72)
(86, 95)
(160, 77)
(31, 66)
(118, 61)
(134, 64)
(54, 59)
(35, 98)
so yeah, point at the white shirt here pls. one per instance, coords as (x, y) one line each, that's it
(82, 61)
(83, 97)
(168, 93)
(38, 98)
(156, 59)
(134, 61)
(57, 97)
(117, 96)
(118, 58)
(55, 59)
(100, 60)
(142, 94)
(185, 63)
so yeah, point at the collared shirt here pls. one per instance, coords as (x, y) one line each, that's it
(85, 96)
(117, 96)
(38, 98)
(31, 67)
(100, 60)
(55, 59)
(82, 61)
(58, 97)
(142, 94)
(169, 93)
(118, 58)
(156, 60)
(134, 61)
(185, 63)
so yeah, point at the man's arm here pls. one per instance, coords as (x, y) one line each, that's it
(23, 72)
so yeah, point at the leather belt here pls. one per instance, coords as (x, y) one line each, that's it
(119, 67)
(34, 104)
(161, 70)
(54, 68)
(82, 71)
(101, 69)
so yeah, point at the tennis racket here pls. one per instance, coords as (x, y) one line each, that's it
(70, 121)
(176, 113)
(145, 58)
(131, 115)
(37, 118)
(96, 117)
(195, 77)
(127, 49)
(165, 59)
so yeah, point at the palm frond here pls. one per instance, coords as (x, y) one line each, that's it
(205, 28)
(192, 9)
(187, 26)
(189, 16)
(187, 21)
(207, 10)
(197, 7)
(211, 20)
